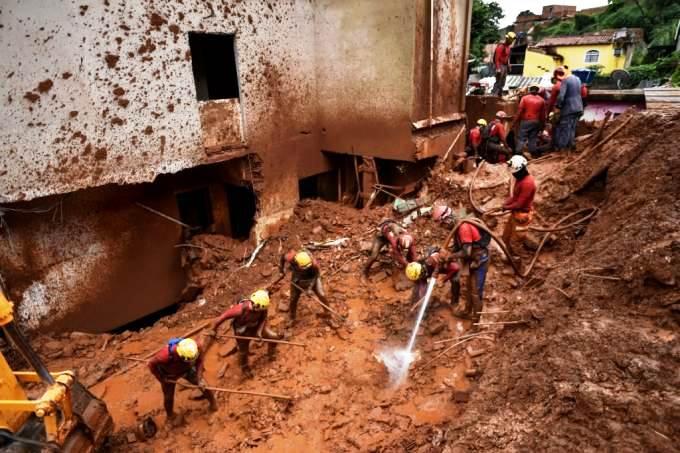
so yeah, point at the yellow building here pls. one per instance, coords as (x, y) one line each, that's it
(608, 49)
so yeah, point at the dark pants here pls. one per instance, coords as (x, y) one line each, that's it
(500, 81)
(244, 345)
(528, 132)
(474, 302)
(169, 390)
(564, 135)
(496, 152)
(315, 285)
(378, 243)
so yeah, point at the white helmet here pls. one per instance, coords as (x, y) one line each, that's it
(516, 163)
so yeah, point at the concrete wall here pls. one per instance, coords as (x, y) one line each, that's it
(101, 93)
(373, 74)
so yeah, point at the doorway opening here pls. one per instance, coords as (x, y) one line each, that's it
(323, 186)
(242, 203)
(195, 208)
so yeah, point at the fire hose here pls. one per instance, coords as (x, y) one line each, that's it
(590, 212)
(500, 212)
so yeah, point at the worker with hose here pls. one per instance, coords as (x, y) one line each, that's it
(435, 262)
(181, 358)
(249, 320)
(520, 204)
(400, 242)
(306, 276)
(471, 246)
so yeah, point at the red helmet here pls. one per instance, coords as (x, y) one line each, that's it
(501, 114)
(440, 212)
(405, 241)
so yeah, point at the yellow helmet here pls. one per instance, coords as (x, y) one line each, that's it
(303, 259)
(413, 271)
(510, 35)
(260, 299)
(481, 122)
(187, 349)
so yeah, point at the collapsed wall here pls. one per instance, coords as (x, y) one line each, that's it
(597, 367)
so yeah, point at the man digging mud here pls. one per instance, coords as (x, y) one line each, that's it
(306, 277)
(181, 358)
(249, 320)
(400, 242)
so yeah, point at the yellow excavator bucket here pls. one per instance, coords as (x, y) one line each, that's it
(11, 390)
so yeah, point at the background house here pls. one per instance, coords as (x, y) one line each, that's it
(606, 49)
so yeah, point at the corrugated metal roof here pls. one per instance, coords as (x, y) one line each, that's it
(514, 82)
(662, 98)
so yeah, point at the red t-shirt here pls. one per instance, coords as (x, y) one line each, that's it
(522, 198)
(531, 108)
(501, 55)
(475, 136)
(467, 234)
(498, 130)
(553, 97)
(167, 364)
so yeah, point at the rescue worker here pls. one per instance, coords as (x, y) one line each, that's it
(495, 145)
(471, 246)
(570, 104)
(181, 358)
(531, 115)
(520, 203)
(306, 275)
(400, 242)
(249, 320)
(434, 263)
(558, 75)
(501, 61)
(474, 147)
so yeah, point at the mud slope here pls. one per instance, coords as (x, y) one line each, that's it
(597, 371)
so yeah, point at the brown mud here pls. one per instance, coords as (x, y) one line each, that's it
(594, 367)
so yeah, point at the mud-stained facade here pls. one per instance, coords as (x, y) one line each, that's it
(107, 94)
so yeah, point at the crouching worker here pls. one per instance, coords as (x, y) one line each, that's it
(249, 320)
(436, 262)
(400, 242)
(306, 277)
(181, 358)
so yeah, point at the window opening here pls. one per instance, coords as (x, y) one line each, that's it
(592, 56)
(213, 59)
(242, 209)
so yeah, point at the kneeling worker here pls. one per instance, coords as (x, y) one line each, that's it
(431, 266)
(181, 358)
(249, 320)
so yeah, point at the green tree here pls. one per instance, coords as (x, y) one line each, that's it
(484, 29)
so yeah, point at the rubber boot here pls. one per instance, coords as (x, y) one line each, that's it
(243, 363)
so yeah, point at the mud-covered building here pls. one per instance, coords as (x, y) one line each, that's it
(219, 114)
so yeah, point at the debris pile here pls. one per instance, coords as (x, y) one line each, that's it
(580, 354)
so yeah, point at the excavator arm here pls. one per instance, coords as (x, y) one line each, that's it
(66, 416)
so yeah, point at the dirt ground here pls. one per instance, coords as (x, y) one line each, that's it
(595, 366)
